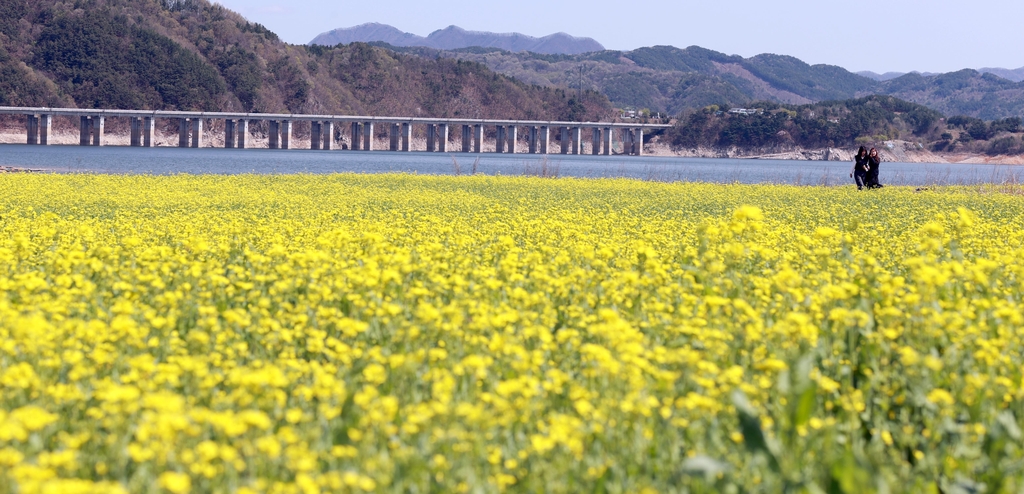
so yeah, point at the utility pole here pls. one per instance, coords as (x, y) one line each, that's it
(579, 96)
(579, 71)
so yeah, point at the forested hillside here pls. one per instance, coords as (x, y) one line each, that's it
(832, 123)
(868, 121)
(194, 55)
(966, 92)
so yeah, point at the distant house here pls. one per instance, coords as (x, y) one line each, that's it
(629, 113)
(746, 111)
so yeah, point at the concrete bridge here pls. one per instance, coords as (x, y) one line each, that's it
(38, 122)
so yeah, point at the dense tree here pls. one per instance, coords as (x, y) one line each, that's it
(980, 131)
(103, 61)
(243, 73)
(1012, 124)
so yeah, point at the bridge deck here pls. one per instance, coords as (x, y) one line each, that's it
(294, 117)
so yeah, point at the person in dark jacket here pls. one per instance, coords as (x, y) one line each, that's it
(860, 170)
(874, 161)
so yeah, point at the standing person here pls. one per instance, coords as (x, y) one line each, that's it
(874, 160)
(859, 173)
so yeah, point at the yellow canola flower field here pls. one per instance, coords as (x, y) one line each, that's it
(400, 333)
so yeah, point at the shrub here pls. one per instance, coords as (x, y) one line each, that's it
(1004, 145)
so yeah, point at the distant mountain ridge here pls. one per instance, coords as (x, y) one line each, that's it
(1015, 75)
(670, 80)
(888, 76)
(454, 37)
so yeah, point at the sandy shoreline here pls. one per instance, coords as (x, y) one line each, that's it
(18, 169)
(891, 151)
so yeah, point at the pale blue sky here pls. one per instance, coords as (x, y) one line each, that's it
(877, 35)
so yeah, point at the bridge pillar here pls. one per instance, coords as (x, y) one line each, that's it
(274, 139)
(315, 139)
(32, 127)
(478, 138)
(638, 142)
(442, 137)
(499, 139)
(148, 126)
(545, 136)
(577, 140)
(368, 136)
(84, 131)
(531, 140)
(393, 136)
(627, 141)
(197, 132)
(135, 132)
(431, 138)
(45, 125)
(406, 136)
(241, 133)
(328, 135)
(286, 134)
(466, 138)
(229, 133)
(595, 141)
(607, 141)
(512, 133)
(183, 132)
(140, 130)
(97, 130)
(357, 137)
(564, 135)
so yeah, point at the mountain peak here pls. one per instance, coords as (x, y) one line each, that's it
(454, 37)
(452, 27)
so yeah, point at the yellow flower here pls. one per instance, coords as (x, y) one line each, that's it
(909, 357)
(32, 418)
(177, 483)
(932, 362)
(940, 397)
(828, 385)
(350, 332)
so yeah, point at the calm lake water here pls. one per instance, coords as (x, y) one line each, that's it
(163, 161)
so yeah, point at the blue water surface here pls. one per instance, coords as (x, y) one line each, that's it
(165, 160)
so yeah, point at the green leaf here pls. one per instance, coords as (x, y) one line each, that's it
(848, 477)
(1008, 423)
(962, 486)
(750, 426)
(706, 466)
(805, 404)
